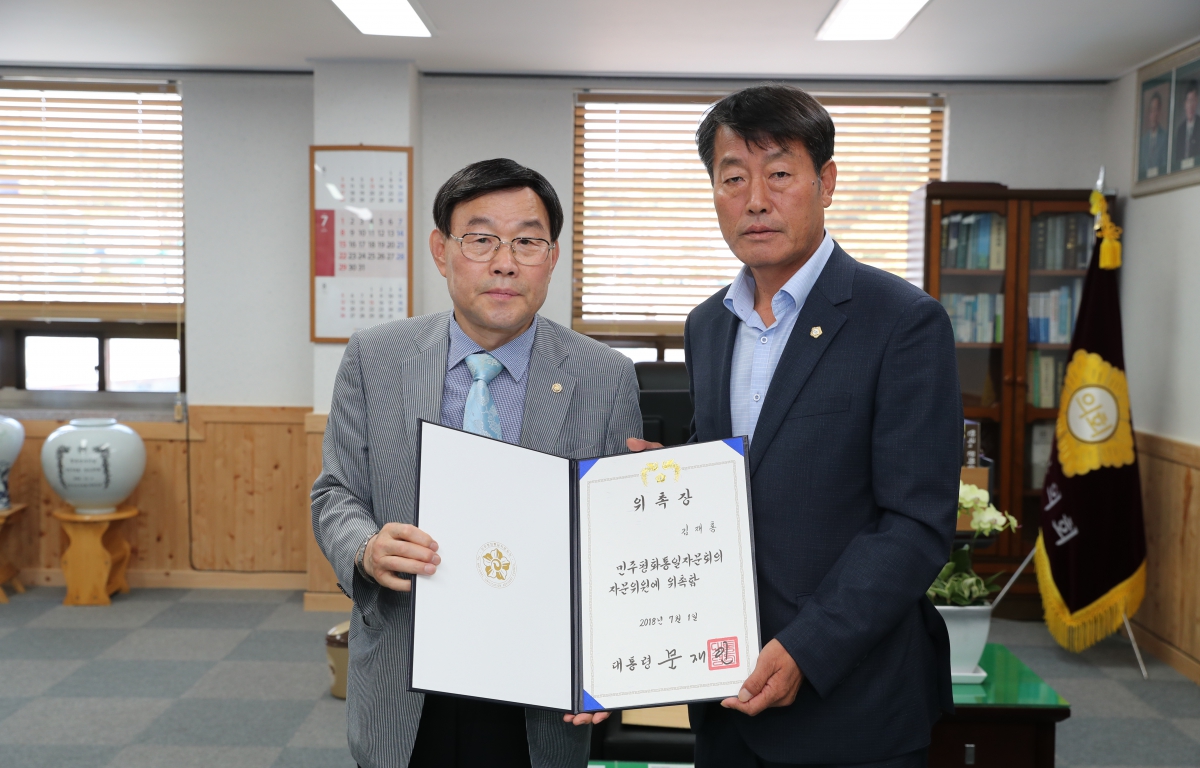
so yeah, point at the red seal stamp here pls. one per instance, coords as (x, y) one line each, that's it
(723, 653)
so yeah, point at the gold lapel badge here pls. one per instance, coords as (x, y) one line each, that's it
(556, 387)
(816, 332)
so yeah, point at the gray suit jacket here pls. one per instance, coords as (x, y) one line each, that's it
(392, 376)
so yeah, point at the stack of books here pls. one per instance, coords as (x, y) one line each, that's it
(1061, 241)
(1044, 376)
(974, 241)
(977, 317)
(1052, 313)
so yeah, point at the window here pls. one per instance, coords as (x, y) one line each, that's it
(91, 235)
(91, 356)
(646, 241)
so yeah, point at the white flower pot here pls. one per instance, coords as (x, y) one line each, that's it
(94, 464)
(12, 437)
(968, 626)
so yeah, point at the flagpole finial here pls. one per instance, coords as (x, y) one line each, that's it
(1110, 234)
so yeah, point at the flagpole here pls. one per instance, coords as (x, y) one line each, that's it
(1137, 651)
(1013, 579)
(1124, 616)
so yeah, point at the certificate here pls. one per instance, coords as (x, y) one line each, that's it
(612, 583)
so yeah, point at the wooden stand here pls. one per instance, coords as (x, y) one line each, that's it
(8, 572)
(97, 556)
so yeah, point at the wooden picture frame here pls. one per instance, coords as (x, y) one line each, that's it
(363, 191)
(1167, 91)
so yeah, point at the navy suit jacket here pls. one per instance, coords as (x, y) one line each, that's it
(854, 475)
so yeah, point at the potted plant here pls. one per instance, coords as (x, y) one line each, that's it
(961, 595)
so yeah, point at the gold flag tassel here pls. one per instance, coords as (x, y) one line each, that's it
(1109, 233)
(1080, 630)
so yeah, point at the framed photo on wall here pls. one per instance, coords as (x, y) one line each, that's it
(360, 266)
(1167, 141)
(1185, 130)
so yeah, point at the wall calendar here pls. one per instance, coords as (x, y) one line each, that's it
(360, 200)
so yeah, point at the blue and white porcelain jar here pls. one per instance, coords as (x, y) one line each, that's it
(12, 437)
(94, 464)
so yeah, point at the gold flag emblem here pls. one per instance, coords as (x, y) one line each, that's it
(1093, 427)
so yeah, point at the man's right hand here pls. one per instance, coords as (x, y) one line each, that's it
(636, 444)
(400, 548)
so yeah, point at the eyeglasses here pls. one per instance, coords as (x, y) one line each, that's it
(530, 251)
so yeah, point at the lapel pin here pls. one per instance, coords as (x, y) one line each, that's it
(556, 387)
(816, 332)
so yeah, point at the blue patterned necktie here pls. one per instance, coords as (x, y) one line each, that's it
(480, 414)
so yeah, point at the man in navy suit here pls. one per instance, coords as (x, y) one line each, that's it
(844, 378)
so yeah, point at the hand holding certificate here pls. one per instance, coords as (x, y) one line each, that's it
(612, 583)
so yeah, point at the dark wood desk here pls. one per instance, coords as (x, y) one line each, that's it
(1007, 722)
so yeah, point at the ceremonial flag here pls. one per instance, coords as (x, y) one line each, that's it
(1091, 549)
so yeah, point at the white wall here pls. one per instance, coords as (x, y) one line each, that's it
(247, 187)
(464, 120)
(374, 103)
(1026, 135)
(1160, 281)
(245, 204)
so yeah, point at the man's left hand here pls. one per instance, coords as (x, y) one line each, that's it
(774, 683)
(584, 718)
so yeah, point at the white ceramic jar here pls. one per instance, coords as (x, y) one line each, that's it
(94, 464)
(12, 437)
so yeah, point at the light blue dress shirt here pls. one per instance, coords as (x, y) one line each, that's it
(508, 388)
(757, 349)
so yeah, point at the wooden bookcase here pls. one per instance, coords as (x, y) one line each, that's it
(994, 374)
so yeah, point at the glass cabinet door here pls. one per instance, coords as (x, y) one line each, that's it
(1057, 238)
(972, 272)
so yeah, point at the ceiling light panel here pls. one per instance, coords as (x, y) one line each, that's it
(869, 19)
(395, 18)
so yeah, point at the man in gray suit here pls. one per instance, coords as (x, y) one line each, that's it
(492, 366)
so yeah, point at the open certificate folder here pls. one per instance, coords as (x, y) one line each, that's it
(612, 583)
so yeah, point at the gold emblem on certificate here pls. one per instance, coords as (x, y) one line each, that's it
(495, 564)
(661, 477)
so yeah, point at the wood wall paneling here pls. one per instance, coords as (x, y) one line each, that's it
(158, 536)
(251, 470)
(249, 489)
(1170, 473)
(249, 486)
(321, 578)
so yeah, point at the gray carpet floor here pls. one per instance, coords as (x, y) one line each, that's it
(1117, 718)
(168, 678)
(238, 679)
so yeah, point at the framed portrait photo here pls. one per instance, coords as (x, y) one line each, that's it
(1153, 134)
(1167, 140)
(1185, 129)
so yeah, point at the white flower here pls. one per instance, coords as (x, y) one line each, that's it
(970, 495)
(989, 520)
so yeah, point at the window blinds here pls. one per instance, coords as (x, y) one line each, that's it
(91, 200)
(647, 246)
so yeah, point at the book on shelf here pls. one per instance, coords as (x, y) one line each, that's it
(1061, 241)
(1044, 373)
(1052, 313)
(1041, 443)
(976, 317)
(974, 241)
